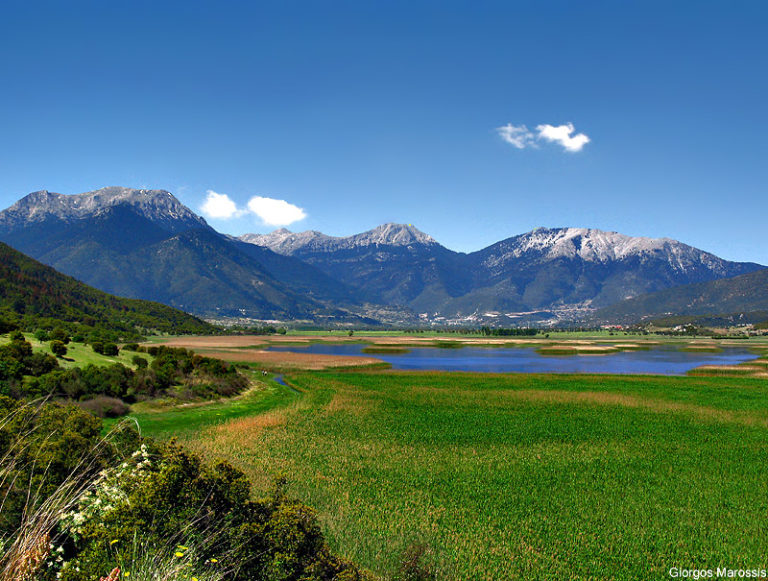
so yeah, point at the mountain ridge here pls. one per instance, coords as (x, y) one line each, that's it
(159, 206)
(147, 244)
(284, 241)
(542, 269)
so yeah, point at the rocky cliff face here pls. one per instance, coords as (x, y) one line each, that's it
(158, 206)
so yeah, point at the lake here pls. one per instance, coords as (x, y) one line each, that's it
(658, 360)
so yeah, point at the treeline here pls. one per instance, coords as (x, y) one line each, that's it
(105, 390)
(513, 332)
(74, 506)
(34, 296)
(257, 330)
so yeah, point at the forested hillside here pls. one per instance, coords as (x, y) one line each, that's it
(33, 295)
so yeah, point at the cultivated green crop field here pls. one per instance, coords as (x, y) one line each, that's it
(517, 476)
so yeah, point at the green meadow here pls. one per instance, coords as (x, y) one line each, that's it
(509, 476)
(168, 419)
(80, 354)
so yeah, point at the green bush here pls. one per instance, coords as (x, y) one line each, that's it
(42, 335)
(98, 347)
(41, 447)
(58, 348)
(59, 334)
(18, 360)
(110, 349)
(171, 501)
(140, 362)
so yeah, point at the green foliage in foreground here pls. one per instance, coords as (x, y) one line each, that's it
(159, 500)
(522, 476)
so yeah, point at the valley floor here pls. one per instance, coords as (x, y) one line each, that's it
(508, 475)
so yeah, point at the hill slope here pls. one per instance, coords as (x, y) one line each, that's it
(31, 291)
(740, 294)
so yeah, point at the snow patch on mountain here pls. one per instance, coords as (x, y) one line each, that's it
(597, 246)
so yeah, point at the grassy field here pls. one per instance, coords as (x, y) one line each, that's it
(511, 476)
(80, 354)
(167, 419)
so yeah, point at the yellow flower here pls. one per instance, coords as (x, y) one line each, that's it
(182, 547)
(194, 578)
(179, 554)
(112, 542)
(214, 560)
(126, 574)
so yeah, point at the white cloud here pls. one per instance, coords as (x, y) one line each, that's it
(562, 134)
(517, 135)
(220, 206)
(275, 212)
(521, 137)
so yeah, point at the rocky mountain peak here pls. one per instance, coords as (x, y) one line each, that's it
(395, 235)
(158, 206)
(286, 242)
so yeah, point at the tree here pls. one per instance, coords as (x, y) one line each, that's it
(7, 326)
(110, 349)
(140, 362)
(98, 347)
(58, 348)
(59, 334)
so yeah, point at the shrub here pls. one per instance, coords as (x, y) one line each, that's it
(7, 326)
(172, 501)
(49, 455)
(140, 362)
(103, 406)
(59, 334)
(131, 347)
(42, 335)
(98, 347)
(58, 348)
(110, 349)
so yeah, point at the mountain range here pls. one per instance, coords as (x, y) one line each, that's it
(146, 244)
(547, 269)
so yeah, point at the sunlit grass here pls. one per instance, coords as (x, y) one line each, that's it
(172, 420)
(81, 354)
(521, 476)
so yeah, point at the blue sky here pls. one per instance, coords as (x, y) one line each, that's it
(360, 113)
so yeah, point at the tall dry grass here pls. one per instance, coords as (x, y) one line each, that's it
(24, 549)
